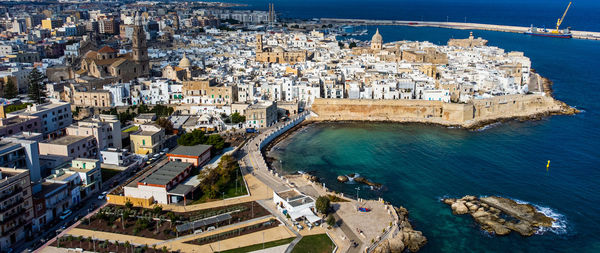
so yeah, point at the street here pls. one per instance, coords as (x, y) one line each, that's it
(49, 234)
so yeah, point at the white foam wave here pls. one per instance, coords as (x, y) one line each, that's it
(488, 126)
(559, 226)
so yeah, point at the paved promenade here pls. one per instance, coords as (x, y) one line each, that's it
(453, 25)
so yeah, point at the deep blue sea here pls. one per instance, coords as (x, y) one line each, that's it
(419, 164)
(583, 14)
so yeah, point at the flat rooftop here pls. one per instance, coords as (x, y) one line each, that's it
(16, 120)
(47, 188)
(5, 145)
(294, 198)
(164, 174)
(66, 140)
(145, 133)
(40, 108)
(196, 150)
(149, 116)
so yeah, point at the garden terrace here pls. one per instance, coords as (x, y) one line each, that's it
(236, 232)
(97, 245)
(158, 224)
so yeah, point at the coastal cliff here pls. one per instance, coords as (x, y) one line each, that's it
(474, 115)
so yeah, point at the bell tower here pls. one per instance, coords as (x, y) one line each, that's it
(139, 48)
(259, 43)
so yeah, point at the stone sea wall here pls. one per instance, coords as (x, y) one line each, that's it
(472, 115)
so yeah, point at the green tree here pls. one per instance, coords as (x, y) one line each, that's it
(237, 118)
(157, 209)
(193, 138)
(10, 90)
(143, 109)
(330, 221)
(128, 204)
(36, 89)
(323, 204)
(162, 110)
(216, 141)
(166, 124)
(352, 44)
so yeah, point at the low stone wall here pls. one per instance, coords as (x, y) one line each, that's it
(480, 112)
(121, 200)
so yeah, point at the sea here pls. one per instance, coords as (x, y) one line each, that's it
(420, 164)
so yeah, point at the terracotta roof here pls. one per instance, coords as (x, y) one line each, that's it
(91, 54)
(119, 62)
(107, 49)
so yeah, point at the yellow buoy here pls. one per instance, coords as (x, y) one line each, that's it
(548, 165)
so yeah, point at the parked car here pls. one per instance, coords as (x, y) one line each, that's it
(300, 227)
(65, 214)
(211, 228)
(102, 195)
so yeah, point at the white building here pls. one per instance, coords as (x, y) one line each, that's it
(55, 116)
(296, 204)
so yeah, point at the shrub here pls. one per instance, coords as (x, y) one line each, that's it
(128, 204)
(323, 204)
(331, 221)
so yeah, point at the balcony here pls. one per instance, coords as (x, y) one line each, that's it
(7, 195)
(9, 206)
(11, 216)
(19, 224)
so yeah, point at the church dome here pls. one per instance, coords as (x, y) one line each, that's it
(377, 37)
(185, 62)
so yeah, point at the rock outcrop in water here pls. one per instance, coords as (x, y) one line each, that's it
(357, 178)
(500, 215)
(342, 179)
(405, 238)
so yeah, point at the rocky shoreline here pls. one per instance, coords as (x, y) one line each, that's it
(405, 239)
(475, 115)
(500, 216)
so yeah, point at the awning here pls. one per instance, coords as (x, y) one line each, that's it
(306, 213)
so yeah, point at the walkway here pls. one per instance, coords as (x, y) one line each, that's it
(256, 189)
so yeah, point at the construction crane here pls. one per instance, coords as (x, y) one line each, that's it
(560, 20)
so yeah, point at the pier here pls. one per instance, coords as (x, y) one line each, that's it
(450, 25)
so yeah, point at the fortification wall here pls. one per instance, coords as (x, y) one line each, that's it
(436, 112)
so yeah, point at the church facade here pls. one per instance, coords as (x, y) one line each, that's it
(107, 66)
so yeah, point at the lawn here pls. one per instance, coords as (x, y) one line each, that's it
(108, 174)
(314, 244)
(229, 190)
(259, 246)
(131, 129)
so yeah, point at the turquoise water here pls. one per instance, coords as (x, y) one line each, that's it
(419, 164)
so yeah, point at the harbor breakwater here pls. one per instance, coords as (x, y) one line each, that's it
(479, 113)
(587, 35)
